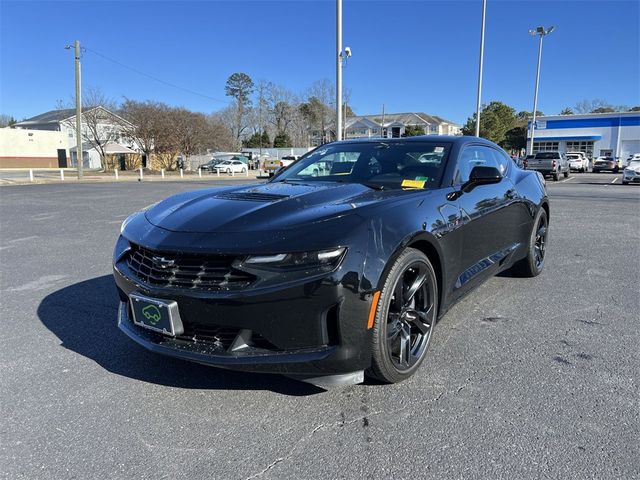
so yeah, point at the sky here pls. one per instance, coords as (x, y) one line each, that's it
(419, 55)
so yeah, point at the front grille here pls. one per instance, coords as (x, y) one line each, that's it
(186, 271)
(251, 196)
(222, 337)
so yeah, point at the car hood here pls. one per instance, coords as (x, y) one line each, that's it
(271, 206)
(635, 168)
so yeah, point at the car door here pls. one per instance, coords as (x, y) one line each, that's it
(486, 214)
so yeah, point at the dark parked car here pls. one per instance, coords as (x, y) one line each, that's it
(605, 164)
(327, 274)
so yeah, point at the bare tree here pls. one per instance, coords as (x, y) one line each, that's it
(598, 105)
(147, 122)
(321, 103)
(6, 120)
(218, 137)
(99, 124)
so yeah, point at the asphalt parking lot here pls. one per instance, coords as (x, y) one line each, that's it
(526, 378)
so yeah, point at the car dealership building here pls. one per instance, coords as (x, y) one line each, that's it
(596, 134)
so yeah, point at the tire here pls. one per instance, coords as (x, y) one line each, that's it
(402, 331)
(228, 171)
(533, 263)
(625, 183)
(616, 170)
(566, 174)
(556, 176)
(244, 170)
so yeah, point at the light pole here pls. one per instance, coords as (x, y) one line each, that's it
(341, 58)
(541, 32)
(79, 155)
(484, 14)
(339, 70)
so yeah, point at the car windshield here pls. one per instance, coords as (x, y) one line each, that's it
(384, 164)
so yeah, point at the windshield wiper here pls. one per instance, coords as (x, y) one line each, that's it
(375, 186)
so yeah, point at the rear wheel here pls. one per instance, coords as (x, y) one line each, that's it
(566, 174)
(228, 171)
(533, 263)
(556, 176)
(244, 170)
(404, 318)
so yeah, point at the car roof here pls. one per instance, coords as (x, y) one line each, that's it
(455, 140)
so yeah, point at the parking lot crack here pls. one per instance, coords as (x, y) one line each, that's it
(323, 426)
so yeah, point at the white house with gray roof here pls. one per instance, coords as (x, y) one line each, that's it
(393, 125)
(105, 128)
(389, 125)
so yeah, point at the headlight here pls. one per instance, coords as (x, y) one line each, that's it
(324, 260)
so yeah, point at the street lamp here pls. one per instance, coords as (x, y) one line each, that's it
(541, 32)
(479, 99)
(339, 70)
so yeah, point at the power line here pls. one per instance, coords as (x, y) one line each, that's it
(144, 74)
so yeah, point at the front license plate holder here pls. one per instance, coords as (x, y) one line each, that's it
(156, 314)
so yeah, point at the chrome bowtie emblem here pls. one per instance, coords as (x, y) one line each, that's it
(162, 262)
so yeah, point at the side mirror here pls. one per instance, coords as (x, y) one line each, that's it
(481, 176)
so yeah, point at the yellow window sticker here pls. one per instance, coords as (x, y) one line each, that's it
(413, 183)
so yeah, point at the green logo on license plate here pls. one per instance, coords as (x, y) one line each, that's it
(152, 313)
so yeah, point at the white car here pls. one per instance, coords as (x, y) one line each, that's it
(631, 173)
(578, 161)
(632, 157)
(231, 166)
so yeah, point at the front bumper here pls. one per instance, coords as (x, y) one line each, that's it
(635, 178)
(308, 330)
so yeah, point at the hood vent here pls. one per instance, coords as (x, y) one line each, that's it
(251, 196)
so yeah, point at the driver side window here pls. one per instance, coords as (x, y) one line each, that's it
(474, 156)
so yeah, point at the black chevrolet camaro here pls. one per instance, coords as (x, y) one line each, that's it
(338, 267)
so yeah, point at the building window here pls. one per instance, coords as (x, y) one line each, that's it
(545, 146)
(581, 146)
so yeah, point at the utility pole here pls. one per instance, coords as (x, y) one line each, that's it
(261, 93)
(478, 104)
(382, 124)
(79, 155)
(344, 122)
(541, 32)
(338, 69)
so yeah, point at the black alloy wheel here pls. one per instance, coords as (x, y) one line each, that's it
(533, 263)
(405, 318)
(540, 244)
